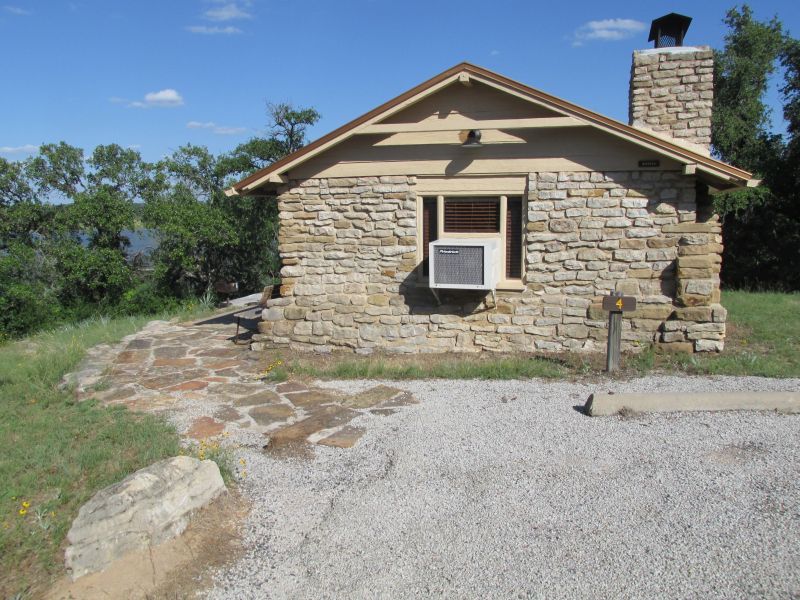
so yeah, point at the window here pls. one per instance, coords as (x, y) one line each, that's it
(465, 216)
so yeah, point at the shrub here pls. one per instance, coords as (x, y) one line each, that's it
(145, 299)
(28, 281)
(96, 275)
(26, 307)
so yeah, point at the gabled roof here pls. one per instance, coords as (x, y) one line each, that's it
(717, 170)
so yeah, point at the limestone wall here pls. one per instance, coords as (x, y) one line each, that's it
(671, 93)
(349, 280)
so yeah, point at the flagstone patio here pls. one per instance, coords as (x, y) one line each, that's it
(210, 386)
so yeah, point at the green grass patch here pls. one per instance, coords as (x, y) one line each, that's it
(55, 453)
(762, 339)
(444, 366)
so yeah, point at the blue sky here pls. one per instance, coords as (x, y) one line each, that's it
(155, 75)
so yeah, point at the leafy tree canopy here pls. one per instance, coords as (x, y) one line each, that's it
(740, 131)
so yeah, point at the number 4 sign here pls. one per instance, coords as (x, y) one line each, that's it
(619, 303)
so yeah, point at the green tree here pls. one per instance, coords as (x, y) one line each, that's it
(244, 249)
(790, 60)
(23, 217)
(58, 168)
(255, 259)
(76, 248)
(287, 133)
(759, 224)
(29, 285)
(194, 239)
(740, 131)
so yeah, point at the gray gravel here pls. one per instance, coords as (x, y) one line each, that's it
(503, 489)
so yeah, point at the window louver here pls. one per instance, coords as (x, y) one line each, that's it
(514, 238)
(430, 228)
(472, 215)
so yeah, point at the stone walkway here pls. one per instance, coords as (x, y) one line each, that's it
(209, 386)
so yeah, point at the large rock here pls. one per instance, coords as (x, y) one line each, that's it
(146, 508)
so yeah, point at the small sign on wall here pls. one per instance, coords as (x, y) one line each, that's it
(650, 162)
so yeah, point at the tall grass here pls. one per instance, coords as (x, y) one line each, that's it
(54, 452)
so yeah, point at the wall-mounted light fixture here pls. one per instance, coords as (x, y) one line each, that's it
(473, 139)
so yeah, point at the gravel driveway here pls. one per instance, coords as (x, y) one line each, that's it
(503, 489)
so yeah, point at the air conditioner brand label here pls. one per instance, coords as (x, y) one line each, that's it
(448, 251)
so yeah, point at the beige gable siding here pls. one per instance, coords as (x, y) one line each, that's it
(505, 152)
(475, 102)
(523, 151)
(434, 115)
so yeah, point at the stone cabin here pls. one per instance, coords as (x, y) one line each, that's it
(581, 205)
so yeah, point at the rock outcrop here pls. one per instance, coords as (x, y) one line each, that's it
(148, 507)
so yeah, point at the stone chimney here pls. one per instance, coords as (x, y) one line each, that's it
(672, 87)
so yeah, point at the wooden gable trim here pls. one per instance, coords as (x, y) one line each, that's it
(459, 124)
(660, 145)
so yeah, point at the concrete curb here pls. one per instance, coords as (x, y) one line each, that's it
(601, 405)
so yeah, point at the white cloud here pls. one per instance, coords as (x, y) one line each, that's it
(204, 29)
(213, 127)
(16, 10)
(606, 30)
(167, 98)
(227, 12)
(24, 149)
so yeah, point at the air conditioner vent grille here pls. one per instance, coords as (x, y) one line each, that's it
(459, 265)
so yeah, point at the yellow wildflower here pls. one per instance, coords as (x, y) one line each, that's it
(22, 512)
(26, 504)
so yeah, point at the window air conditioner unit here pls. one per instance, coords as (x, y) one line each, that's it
(464, 264)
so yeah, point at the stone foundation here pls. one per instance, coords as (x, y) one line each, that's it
(349, 250)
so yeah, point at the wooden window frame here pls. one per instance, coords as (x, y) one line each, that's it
(504, 283)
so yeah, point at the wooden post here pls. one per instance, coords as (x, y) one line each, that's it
(614, 338)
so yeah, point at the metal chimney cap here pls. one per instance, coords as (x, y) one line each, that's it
(669, 30)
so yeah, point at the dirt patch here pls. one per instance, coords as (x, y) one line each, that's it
(177, 568)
